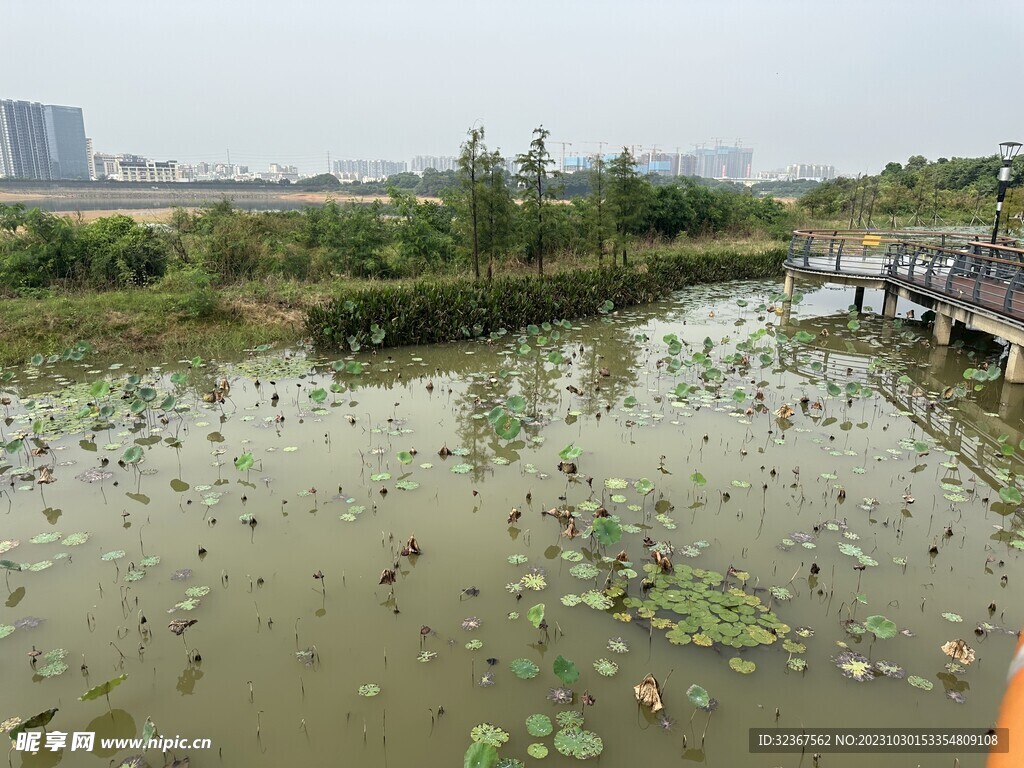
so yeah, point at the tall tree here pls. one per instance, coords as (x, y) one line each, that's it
(472, 150)
(496, 207)
(537, 192)
(598, 205)
(628, 195)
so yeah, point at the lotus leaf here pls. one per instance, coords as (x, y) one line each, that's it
(524, 669)
(538, 725)
(485, 733)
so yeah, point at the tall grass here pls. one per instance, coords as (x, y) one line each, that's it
(430, 311)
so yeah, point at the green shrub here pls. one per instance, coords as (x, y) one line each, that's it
(430, 311)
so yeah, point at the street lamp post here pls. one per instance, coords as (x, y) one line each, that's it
(1008, 150)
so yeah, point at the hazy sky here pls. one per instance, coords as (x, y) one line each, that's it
(855, 83)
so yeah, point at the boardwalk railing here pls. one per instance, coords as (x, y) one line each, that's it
(947, 265)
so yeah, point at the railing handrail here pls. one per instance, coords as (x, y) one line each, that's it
(890, 237)
(987, 276)
(894, 234)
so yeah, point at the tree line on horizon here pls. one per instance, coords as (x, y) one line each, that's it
(958, 191)
(484, 218)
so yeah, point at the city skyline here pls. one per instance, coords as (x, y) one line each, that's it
(855, 87)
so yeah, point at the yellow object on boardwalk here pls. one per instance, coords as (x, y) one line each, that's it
(1011, 715)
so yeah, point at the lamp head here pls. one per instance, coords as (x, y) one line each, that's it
(1008, 150)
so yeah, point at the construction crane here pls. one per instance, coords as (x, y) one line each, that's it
(564, 145)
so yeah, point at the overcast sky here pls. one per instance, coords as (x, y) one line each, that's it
(854, 84)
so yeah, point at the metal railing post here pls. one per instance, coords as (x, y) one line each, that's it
(1015, 281)
(952, 270)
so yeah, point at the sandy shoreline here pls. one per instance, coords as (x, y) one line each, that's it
(127, 202)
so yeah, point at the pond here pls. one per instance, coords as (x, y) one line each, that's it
(808, 507)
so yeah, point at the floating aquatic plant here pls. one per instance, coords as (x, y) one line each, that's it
(960, 651)
(539, 725)
(52, 663)
(579, 743)
(920, 682)
(618, 645)
(854, 666)
(537, 750)
(536, 615)
(584, 571)
(742, 666)
(45, 538)
(597, 600)
(470, 623)
(369, 689)
(561, 695)
(890, 669)
(880, 627)
(566, 670)
(524, 669)
(534, 581)
(485, 733)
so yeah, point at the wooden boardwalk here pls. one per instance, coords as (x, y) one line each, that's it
(961, 278)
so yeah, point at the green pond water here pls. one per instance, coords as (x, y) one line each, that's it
(889, 451)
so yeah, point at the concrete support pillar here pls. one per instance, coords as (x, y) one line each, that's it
(790, 285)
(858, 299)
(889, 306)
(1015, 365)
(942, 329)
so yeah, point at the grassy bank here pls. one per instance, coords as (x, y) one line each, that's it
(430, 311)
(182, 318)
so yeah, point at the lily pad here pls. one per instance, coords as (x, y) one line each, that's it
(920, 682)
(45, 538)
(881, 627)
(524, 669)
(741, 665)
(538, 725)
(485, 733)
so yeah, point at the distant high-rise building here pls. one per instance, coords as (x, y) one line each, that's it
(23, 148)
(687, 165)
(722, 162)
(815, 172)
(65, 141)
(42, 141)
(91, 159)
(420, 163)
(367, 170)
